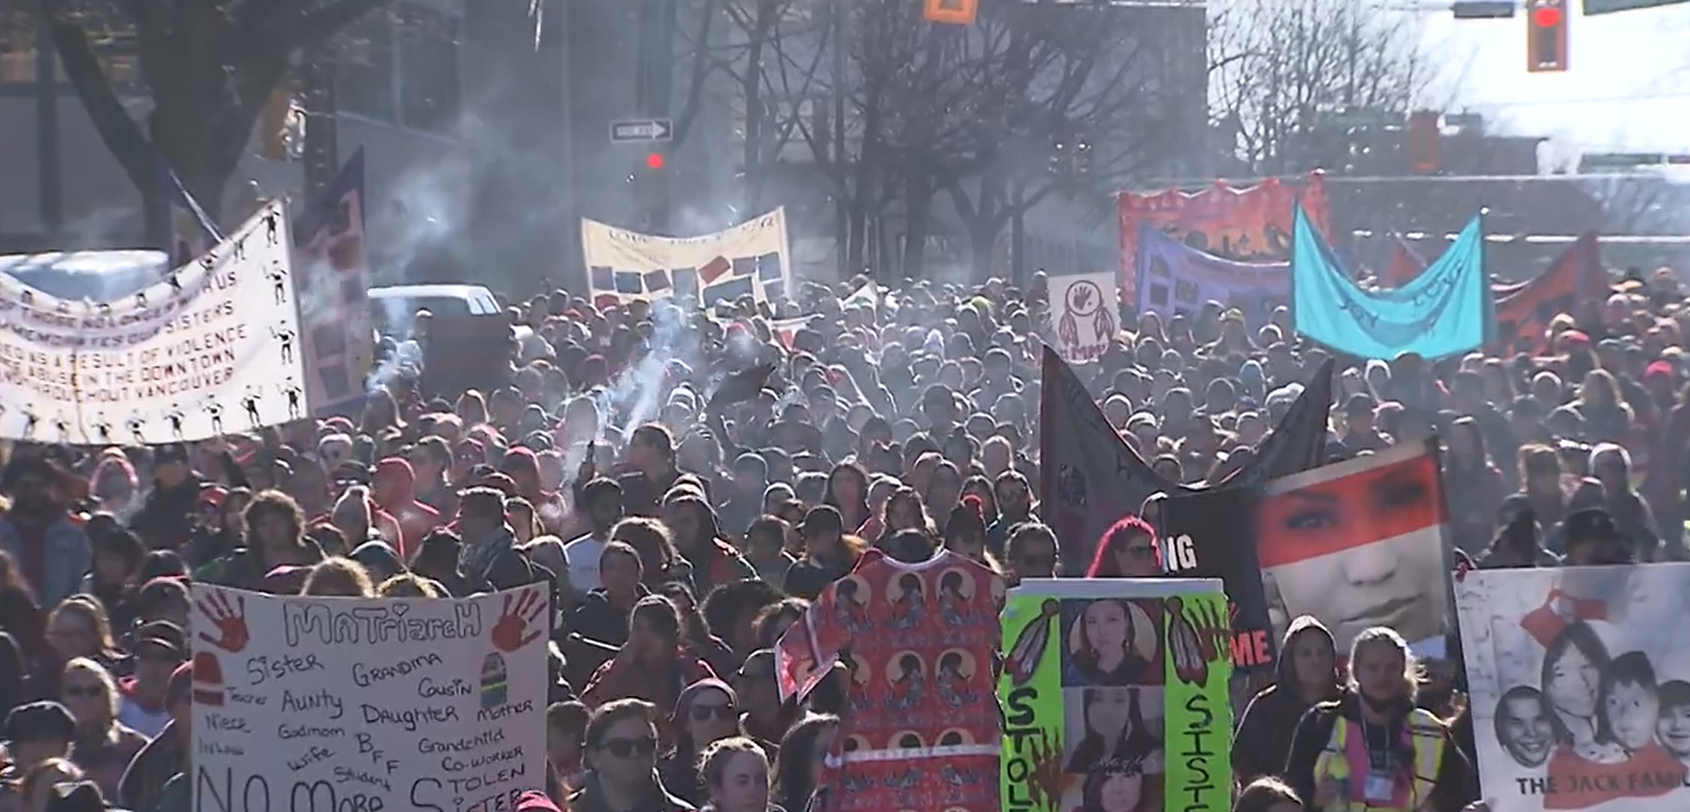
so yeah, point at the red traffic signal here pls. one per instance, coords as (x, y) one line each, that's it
(1546, 36)
(654, 160)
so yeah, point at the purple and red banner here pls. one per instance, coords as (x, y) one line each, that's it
(1176, 278)
(1252, 224)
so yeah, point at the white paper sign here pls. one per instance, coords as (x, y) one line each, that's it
(750, 258)
(307, 704)
(1579, 686)
(1084, 314)
(211, 349)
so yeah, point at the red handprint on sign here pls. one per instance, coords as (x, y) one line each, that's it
(229, 620)
(511, 631)
(1194, 639)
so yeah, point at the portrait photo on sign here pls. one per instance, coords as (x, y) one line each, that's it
(1111, 642)
(1359, 544)
(1580, 686)
(1103, 724)
(1116, 785)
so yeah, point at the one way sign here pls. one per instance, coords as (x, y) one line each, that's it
(641, 130)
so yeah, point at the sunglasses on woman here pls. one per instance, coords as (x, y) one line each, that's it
(84, 691)
(702, 713)
(623, 748)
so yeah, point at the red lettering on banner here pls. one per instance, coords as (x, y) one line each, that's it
(1250, 649)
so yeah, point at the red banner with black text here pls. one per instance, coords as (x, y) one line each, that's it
(1250, 224)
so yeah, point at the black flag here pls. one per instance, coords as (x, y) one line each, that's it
(1090, 477)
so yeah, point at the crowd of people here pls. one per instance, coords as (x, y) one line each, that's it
(688, 481)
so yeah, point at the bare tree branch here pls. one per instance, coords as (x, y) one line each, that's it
(1280, 69)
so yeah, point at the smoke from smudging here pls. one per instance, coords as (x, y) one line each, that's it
(692, 221)
(636, 395)
(395, 319)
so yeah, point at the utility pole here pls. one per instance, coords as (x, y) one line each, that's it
(49, 178)
(654, 81)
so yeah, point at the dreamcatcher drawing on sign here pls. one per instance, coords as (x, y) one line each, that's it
(1085, 301)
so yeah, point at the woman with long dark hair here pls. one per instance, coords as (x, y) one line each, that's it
(695, 632)
(1541, 483)
(1114, 729)
(706, 712)
(1119, 786)
(1571, 680)
(80, 627)
(803, 753)
(847, 492)
(1104, 644)
(1472, 484)
(653, 664)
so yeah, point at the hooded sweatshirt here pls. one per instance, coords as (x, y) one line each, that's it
(415, 519)
(1264, 735)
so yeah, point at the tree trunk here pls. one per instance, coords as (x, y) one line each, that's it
(918, 197)
(209, 83)
(121, 135)
(982, 245)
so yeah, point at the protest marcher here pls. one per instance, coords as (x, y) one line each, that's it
(1307, 675)
(1376, 722)
(620, 749)
(705, 486)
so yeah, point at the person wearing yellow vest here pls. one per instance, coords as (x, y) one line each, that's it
(1373, 749)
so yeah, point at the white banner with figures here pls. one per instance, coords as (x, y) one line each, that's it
(752, 258)
(376, 704)
(211, 349)
(1579, 684)
(1084, 314)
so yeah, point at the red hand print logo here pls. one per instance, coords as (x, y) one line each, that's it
(511, 632)
(1194, 639)
(229, 620)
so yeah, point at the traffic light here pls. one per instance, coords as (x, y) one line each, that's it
(1423, 136)
(654, 160)
(950, 12)
(1546, 36)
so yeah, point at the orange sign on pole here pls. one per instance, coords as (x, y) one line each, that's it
(950, 12)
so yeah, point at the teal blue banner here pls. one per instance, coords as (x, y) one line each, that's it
(1446, 310)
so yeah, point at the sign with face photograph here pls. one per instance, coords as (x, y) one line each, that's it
(1357, 544)
(1115, 695)
(1579, 686)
